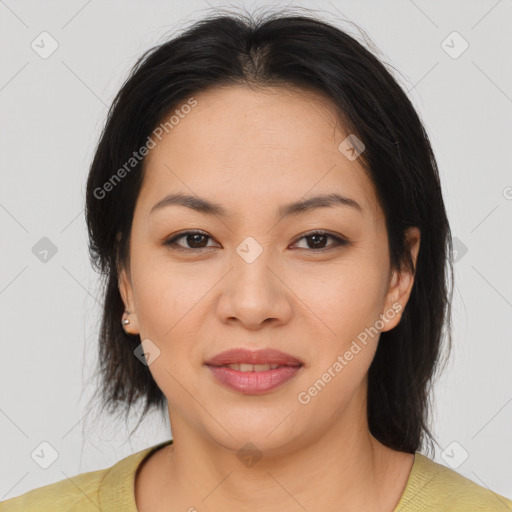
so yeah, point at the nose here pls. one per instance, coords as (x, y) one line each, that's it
(255, 293)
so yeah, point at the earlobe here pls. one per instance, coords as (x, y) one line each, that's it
(129, 318)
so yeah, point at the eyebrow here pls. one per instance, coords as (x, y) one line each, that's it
(201, 205)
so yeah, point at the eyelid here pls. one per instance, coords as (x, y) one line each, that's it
(172, 240)
(339, 240)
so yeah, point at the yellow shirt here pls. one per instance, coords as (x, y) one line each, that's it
(430, 487)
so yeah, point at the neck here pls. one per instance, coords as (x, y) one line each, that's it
(344, 469)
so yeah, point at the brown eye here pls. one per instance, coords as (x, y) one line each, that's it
(317, 241)
(194, 239)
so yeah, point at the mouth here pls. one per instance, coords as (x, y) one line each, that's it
(253, 372)
(247, 367)
(253, 360)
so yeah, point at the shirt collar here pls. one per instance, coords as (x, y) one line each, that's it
(117, 488)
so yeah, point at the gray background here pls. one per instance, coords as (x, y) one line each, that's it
(52, 110)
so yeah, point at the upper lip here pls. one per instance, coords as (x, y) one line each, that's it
(262, 356)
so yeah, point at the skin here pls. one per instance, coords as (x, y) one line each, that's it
(252, 151)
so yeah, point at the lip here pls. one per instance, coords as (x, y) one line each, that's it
(253, 383)
(262, 356)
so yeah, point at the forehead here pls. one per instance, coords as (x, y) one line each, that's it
(274, 145)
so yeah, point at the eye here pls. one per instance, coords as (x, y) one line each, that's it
(318, 239)
(198, 240)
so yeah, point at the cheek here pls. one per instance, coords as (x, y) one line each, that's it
(348, 305)
(167, 294)
(347, 299)
(168, 304)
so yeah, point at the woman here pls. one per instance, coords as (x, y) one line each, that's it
(266, 209)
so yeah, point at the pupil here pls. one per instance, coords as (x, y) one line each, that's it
(195, 238)
(315, 239)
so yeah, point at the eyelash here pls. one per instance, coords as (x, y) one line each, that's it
(338, 241)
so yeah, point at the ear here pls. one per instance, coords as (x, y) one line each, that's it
(126, 291)
(401, 283)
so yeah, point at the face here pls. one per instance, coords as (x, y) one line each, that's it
(314, 282)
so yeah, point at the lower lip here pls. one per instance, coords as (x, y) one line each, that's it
(253, 383)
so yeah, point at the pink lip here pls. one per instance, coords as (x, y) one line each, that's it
(262, 356)
(254, 383)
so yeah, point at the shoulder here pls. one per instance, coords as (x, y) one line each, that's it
(111, 488)
(79, 492)
(433, 486)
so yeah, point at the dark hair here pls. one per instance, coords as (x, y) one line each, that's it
(288, 51)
